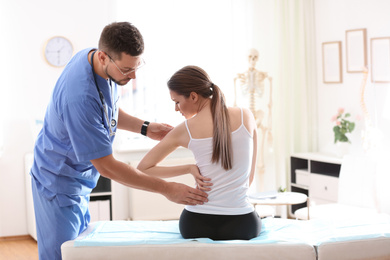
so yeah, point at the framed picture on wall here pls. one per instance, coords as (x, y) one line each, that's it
(331, 62)
(380, 60)
(356, 50)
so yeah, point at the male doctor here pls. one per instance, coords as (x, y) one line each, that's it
(75, 143)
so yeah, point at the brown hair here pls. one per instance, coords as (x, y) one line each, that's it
(121, 37)
(194, 79)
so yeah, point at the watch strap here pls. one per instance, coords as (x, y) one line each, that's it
(144, 128)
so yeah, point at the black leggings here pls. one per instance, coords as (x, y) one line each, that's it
(219, 227)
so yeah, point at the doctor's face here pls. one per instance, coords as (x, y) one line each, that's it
(184, 105)
(123, 70)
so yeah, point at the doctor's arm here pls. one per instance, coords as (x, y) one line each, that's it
(149, 164)
(155, 131)
(127, 175)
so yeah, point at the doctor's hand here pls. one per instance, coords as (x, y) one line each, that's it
(157, 131)
(182, 194)
(202, 182)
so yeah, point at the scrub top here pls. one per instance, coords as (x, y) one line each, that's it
(75, 131)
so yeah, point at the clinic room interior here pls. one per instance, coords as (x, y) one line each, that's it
(320, 60)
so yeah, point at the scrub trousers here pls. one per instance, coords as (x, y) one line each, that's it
(55, 224)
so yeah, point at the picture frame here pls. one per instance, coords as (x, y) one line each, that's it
(356, 50)
(331, 62)
(380, 60)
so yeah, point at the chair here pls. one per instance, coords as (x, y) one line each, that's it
(356, 193)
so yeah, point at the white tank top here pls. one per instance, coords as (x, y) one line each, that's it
(228, 195)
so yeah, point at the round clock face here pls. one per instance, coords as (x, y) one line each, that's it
(58, 51)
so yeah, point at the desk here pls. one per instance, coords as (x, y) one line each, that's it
(282, 198)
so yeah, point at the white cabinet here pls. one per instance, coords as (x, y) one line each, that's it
(100, 210)
(100, 205)
(302, 177)
(323, 189)
(315, 175)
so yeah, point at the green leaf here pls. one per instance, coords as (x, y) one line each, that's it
(351, 127)
(343, 138)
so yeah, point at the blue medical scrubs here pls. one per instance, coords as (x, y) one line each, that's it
(75, 131)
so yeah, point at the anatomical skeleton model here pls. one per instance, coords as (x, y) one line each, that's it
(252, 83)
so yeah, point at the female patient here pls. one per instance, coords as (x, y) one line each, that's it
(223, 141)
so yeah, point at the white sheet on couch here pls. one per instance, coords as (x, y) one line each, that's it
(279, 238)
(314, 232)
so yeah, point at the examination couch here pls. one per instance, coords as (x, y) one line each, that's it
(279, 239)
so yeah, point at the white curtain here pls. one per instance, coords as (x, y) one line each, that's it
(295, 96)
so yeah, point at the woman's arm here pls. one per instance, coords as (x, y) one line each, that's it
(177, 137)
(254, 157)
(250, 124)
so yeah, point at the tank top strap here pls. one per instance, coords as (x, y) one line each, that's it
(188, 130)
(242, 116)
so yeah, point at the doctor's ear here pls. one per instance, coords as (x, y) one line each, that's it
(103, 57)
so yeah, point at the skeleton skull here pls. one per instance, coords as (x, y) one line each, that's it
(253, 56)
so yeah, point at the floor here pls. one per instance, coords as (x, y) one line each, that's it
(18, 248)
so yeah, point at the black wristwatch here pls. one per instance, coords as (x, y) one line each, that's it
(144, 128)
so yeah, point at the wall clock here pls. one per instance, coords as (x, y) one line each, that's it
(58, 51)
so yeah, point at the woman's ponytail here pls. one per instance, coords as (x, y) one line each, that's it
(222, 131)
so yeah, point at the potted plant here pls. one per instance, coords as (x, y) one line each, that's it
(343, 126)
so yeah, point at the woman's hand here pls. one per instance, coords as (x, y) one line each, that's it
(202, 182)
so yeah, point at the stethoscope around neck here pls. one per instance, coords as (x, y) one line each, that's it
(113, 121)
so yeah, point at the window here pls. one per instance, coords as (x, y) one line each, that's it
(179, 33)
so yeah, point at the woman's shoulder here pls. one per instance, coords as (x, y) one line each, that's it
(178, 135)
(180, 128)
(240, 115)
(234, 111)
(237, 111)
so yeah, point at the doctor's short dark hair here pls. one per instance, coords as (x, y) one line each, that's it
(121, 37)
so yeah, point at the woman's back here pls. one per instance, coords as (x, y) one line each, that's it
(228, 193)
